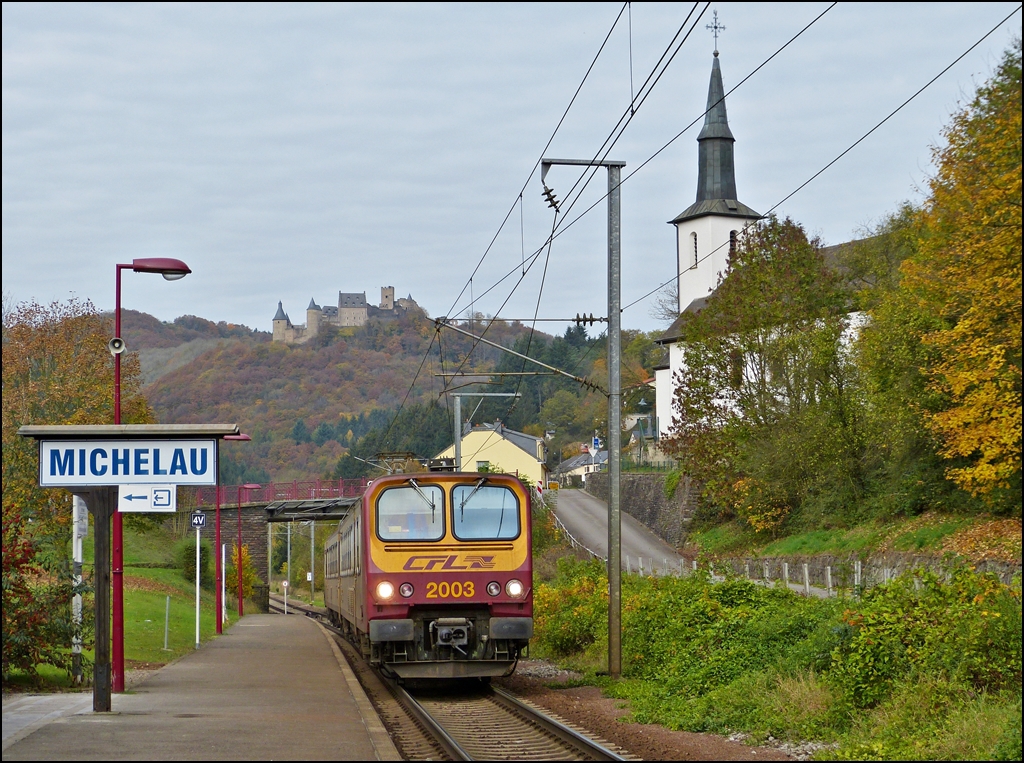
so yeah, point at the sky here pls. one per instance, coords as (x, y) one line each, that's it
(289, 152)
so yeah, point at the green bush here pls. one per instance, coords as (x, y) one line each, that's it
(185, 554)
(921, 667)
(967, 629)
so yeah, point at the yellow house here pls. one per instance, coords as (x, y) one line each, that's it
(495, 446)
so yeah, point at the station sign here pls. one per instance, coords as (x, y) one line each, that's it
(198, 520)
(84, 463)
(149, 498)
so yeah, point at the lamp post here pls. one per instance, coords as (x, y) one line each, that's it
(171, 270)
(238, 564)
(219, 560)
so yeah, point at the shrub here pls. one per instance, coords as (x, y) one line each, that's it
(249, 576)
(968, 629)
(185, 553)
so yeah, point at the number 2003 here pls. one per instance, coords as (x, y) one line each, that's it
(445, 590)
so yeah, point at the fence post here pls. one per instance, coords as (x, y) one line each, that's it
(828, 580)
(746, 570)
(694, 565)
(785, 573)
(767, 577)
(857, 576)
(807, 580)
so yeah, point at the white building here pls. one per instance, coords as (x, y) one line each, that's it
(706, 232)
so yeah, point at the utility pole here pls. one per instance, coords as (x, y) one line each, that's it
(614, 399)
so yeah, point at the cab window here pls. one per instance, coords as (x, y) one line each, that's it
(411, 512)
(485, 512)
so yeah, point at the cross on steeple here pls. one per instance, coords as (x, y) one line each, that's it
(715, 28)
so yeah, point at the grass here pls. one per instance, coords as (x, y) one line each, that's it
(929, 533)
(145, 607)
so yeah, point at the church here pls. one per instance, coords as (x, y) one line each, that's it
(706, 233)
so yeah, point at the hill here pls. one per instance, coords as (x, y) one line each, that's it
(302, 405)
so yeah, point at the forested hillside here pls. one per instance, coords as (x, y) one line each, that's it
(304, 405)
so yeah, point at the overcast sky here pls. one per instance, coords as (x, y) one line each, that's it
(295, 151)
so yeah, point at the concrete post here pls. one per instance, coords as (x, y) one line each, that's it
(785, 573)
(807, 580)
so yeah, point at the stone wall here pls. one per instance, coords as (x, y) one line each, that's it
(642, 496)
(875, 569)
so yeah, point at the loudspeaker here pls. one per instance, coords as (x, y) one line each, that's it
(116, 345)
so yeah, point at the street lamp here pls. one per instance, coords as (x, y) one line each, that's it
(219, 561)
(238, 564)
(172, 270)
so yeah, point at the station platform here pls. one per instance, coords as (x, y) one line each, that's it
(272, 687)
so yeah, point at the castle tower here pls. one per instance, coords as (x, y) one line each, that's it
(387, 297)
(281, 324)
(707, 230)
(313, 313)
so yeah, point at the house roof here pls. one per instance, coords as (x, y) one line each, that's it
(521, 440)
(583, 459)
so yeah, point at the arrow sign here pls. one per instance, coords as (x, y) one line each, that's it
(151, 498)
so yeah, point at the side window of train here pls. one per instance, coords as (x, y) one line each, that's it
(484, 512)
(356, 545)
(411, 512)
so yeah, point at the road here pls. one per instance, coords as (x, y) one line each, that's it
(586, 518)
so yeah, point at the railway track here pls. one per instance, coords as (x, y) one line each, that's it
(490, 724)
(460, 723)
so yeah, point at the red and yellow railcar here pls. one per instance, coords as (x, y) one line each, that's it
(432, 575)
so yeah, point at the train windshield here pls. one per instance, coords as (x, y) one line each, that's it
(485, 512)
(412, 512)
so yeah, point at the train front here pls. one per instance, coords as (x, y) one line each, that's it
(449, 582)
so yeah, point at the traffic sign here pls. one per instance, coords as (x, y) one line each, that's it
(198, 520)
(150, 498)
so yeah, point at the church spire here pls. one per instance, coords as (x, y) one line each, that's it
(716, 172)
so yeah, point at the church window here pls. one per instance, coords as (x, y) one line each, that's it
(693, 239)
(732, 242)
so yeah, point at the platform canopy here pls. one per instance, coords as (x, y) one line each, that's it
(125, 431)
(305, 509)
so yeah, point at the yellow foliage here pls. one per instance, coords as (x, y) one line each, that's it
(969, 274)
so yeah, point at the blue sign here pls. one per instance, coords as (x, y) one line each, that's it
(198, 520)
(78, 463)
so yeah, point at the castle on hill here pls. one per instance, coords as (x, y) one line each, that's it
(352, 310)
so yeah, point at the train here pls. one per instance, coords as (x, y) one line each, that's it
(431, 576)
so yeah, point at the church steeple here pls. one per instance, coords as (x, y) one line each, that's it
(716, 169)
(716, 173)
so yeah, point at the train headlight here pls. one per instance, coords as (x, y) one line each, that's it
(514, 588)
(385, 590)
(406, 590)
(493, 588)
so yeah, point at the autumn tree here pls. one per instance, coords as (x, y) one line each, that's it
(56, 370)
(767, 416)
(968, 275)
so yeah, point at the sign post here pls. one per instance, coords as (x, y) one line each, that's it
(100, 464)
(198, 522)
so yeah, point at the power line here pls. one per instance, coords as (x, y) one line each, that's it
(848, 149)
(543, 151)
(647, 87)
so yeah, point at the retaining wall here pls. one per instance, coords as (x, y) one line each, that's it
(642, 496)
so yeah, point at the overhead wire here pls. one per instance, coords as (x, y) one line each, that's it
(656, 73)
(536, 164)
